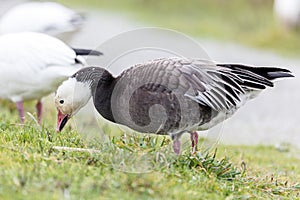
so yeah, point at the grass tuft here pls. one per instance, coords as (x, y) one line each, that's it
(209, 165)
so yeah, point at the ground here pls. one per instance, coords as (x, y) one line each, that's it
(31, 167)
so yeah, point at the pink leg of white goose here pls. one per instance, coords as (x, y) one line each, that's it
(20, 107)
(39, 107)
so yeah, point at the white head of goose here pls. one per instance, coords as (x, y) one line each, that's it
(166, 96)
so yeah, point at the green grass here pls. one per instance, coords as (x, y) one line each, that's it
(249, 22)
(31, 167)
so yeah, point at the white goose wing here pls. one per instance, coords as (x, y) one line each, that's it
(33, 64)
(45, 17)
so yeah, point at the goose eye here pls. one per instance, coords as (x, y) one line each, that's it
(61, 101)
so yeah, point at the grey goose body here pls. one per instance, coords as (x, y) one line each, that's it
(168, 96)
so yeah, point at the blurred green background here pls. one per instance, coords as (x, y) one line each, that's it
(249, 22)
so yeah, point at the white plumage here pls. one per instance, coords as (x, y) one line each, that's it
(32, 65)
(44, 17)
(288, 12)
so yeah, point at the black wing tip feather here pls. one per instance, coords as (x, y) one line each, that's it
(269, 73)
(87, 52)
(262, 68)
(276, 72)
(280, 74)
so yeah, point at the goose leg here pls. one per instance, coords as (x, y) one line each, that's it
(20, 107)
(176, 146)
(39, 107)
(194, 139)
(176, 142)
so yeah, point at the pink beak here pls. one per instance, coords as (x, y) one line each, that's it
(62, 120)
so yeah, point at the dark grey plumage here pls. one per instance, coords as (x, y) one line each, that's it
(172, 96)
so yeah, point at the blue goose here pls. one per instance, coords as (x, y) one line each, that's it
(166, 96)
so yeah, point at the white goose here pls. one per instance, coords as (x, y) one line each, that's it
(44, 17)
(32, 65)
(288, 12)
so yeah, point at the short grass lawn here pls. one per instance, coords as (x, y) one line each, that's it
(31, 166)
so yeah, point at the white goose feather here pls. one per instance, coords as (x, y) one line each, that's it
(44, 17)
(32, 65)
